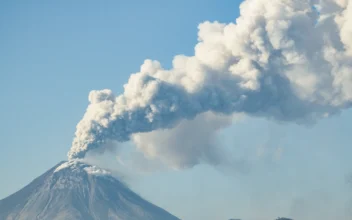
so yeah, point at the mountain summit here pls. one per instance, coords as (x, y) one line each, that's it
(77, 191)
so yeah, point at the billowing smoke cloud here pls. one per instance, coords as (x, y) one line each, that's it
(287, 60)
(189, 143)
(198, 140)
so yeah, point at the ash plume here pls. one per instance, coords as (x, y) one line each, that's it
(285, 60)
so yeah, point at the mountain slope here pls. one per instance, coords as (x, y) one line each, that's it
(77, 191)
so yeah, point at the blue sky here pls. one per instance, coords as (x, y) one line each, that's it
(53, 54)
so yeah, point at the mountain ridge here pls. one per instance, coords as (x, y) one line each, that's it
(73, 190)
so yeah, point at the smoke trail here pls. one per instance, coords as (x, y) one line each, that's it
(288, 60)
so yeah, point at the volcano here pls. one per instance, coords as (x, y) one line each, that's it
(77, 191)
